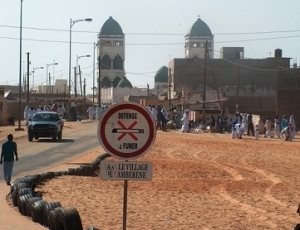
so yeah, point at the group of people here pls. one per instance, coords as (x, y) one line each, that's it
(243, 125)
(96, 112)
(160, 115)
(286, 128)
(30, 111)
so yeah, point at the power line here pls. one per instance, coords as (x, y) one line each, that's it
(154, 44)
(155, 34)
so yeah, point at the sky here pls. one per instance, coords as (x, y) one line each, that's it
(154, 33)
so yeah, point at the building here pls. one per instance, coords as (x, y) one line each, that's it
(259, 86)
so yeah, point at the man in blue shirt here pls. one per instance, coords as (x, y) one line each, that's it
(9, 150)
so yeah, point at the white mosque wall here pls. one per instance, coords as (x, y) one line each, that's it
(118, 95)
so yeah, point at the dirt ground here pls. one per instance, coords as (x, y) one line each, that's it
(200, 181)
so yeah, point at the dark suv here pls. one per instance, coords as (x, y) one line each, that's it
(45, 124)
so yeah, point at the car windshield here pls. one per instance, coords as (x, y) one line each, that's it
(45, 117)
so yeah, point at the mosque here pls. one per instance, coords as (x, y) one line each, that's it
(224, 79)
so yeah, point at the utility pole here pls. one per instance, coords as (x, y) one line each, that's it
(99, 76)
(169, 89)
(84, 89)
(27, 85)
(238, 90)
(79, 71)
(75, 84)
(204, 87)
(94, 72)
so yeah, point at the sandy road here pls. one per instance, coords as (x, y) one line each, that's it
(200, 181)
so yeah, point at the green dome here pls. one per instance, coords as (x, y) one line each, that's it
(200, 28)
(111, 27)
(161, 75)
(124, 83)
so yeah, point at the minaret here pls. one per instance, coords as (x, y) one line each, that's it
(112, 53)
(196, 38)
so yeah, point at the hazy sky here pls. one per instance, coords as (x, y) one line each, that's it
(154, 32)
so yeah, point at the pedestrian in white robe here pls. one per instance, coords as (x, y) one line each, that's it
(276, 127)
(154, 112)
(268, 126)
(31, 113)
(98, 112)
(90, 111)
(256, 132)
(61, 111)
(39, 109)
(233, 132)
(185, 122)
(239, 129)
(293, 126)
(26, 114)
(245, 123)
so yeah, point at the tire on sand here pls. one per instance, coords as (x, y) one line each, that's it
(68, 219)
(22, 203)
(37, 211)
(46, 210)
(29, 202)
(52, 220)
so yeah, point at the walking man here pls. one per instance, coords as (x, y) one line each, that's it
(61, 111)
(9, 151)
(250, 125)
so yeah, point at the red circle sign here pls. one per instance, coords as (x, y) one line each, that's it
(127, 130)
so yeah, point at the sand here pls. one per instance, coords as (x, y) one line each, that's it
(200, 181)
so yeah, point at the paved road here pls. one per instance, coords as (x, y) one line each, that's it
(43, 153)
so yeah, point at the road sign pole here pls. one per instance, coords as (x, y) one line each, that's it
(125, 204)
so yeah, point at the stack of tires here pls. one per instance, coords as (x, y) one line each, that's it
(50, 214)
(31, 204)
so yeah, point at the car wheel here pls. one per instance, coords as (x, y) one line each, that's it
(54, 137)
(59, 135)
(30, 137)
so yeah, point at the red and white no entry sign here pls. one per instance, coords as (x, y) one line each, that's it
(127, 130)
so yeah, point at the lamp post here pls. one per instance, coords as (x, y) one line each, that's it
(77, 72)
(47, 65)
(20, 72)
(72, 22)
(34, 68)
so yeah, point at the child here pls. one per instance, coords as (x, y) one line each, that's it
(233, 132)
(239, 131)
(287, 133)
(256, 132)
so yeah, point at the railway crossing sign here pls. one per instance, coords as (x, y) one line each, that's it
(127, 130)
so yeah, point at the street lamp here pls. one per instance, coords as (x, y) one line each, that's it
(20, 72)
(77, 72)
(35, 68)
(47, 65)
(72, 22)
